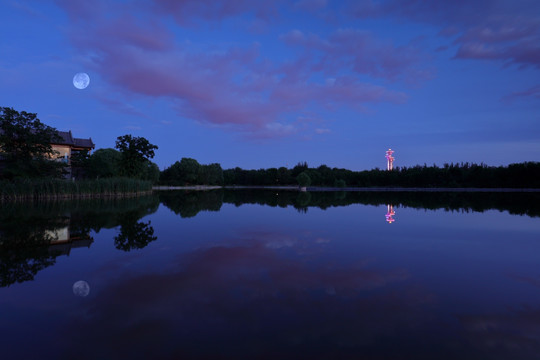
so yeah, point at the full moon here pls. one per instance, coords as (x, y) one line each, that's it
(81, 80)
(81, 288)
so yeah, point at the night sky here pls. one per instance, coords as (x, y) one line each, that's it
(260, 84)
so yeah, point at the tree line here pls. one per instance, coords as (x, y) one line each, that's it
(25, 152)
(130, 158)
(453, 175)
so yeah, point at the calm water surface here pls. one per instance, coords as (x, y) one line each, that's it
(266, 275)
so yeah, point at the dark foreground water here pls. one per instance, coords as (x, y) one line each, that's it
(272, 275)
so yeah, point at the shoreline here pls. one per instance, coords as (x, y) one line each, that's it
(357, 189)
(194, 187)
(74, 196)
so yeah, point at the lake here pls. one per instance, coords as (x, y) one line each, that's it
(270, 274)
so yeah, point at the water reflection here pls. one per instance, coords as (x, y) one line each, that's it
(32, 243)
(390, 214)
(509, 335)
(81, 288)
(133, 234)
(190, 203)
(260, 282)
(251, 296)
(62, 240)
(33, 235)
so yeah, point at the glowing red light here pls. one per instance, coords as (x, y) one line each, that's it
(389, 159)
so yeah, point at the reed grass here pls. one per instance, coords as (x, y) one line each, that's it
(42, 189)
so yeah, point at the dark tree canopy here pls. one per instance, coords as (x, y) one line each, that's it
(188, 171)
(136, 153)
(104, 163)
(303, 179)
(80, 161)
(25, 145)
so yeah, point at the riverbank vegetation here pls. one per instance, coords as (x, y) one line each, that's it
(40, 189)
(462, 175)
(28, 167)
(31, 169)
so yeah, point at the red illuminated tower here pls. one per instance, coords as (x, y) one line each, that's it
(389, 159)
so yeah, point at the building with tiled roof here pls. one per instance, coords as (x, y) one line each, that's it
(67, 145)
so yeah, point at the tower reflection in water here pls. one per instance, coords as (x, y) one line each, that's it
(390, 214)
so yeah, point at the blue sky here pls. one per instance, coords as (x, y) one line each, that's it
(260, 84)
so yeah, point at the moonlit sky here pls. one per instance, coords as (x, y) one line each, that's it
(259, 84)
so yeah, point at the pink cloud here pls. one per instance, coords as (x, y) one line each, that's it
(127, 30)
(79, 10)
(230, 85)
(506, 31)
(311, 5)
(434, 11)
(504, 42)
(121, 106)
(359, 51)
(185, 12)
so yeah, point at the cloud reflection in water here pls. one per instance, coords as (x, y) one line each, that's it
(261, 291)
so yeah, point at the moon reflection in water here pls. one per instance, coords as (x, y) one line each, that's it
(81, 288)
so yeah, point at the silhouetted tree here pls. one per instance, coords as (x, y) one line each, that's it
(300, 167)
(211, 174)
(188, 171)
(136, 152)
(104, 163)
(151, 172)
(80, 162)
(25, 146)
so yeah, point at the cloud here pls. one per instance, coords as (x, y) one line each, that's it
(281, 128)
(323, 131)
(533, 92)
(233, 85)
(121, 106)
(360, 52)
(311, 5)
(186, 11)
(79, 10)
(505, 31)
